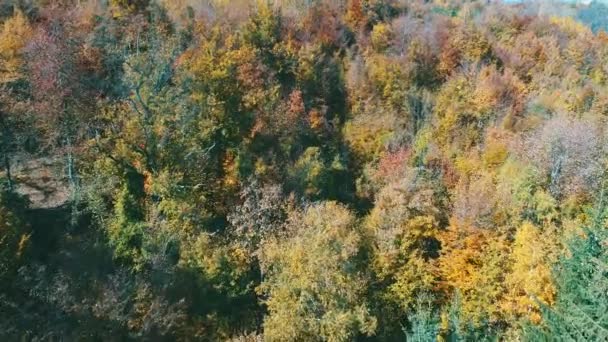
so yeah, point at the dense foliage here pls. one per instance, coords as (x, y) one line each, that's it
(328, 170)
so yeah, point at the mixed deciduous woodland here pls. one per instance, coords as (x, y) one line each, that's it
(303, 170)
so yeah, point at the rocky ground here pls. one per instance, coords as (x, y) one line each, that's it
(42, 180)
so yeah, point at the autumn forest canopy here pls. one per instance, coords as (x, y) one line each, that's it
(303, 170)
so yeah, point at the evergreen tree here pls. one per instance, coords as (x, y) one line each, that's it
(581, 309)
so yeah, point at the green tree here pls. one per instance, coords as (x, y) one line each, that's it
(581, 279)
(424, 320)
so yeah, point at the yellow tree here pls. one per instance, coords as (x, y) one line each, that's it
(472, 266)
(403, 227)
(15, 34)
(13, 38)
(405, 230)
(529, 281)
(312, 279)
(123, 7)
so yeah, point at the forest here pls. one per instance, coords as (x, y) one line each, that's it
(303, 170)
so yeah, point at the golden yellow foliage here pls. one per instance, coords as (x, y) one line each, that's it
(529, 282)
(367, 135)
(496, 150)
(388, 76)
(230, 167)
(381, 37)
(354, 14)
(454, 109)
(405, 224)
(317, 120)
(466, 44)
(124, 7)
(570, 26)
(311, 281)
(15, 34)
(472, 265)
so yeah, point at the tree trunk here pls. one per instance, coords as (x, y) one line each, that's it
(7, 166)
(5, 148)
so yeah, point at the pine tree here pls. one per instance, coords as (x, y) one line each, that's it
(581, 309)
